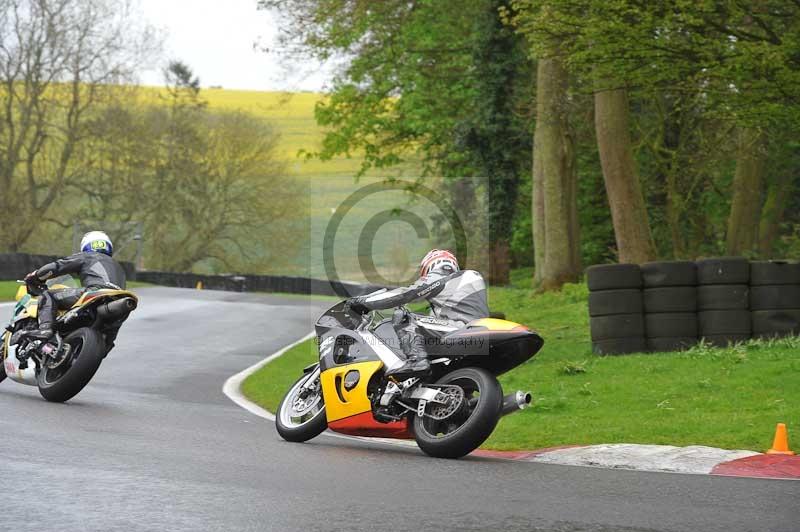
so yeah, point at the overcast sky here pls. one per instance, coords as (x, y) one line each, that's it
(216, 39)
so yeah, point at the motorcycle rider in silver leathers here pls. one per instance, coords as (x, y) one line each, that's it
(456, 297)
(96, 269)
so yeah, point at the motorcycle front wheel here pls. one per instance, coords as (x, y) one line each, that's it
(468, 426)
(3, 357)
(301, 414)
(61, 382)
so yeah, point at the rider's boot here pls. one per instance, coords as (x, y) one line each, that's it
(413, 367)
(43, 333)
(417, 363)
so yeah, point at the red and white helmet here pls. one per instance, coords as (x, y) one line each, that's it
(439, 261)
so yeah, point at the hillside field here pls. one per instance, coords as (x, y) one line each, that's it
(327, 184)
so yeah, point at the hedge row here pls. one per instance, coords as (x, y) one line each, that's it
(667, 306)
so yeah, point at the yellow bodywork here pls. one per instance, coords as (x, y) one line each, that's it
(103, 292)
(493, 324)
(32, 306)
(356, 400)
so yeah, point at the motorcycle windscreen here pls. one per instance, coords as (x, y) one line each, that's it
(347, 405)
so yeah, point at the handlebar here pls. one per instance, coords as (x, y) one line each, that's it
(34, 286)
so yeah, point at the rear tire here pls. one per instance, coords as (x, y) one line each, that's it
(723, 270)
(619, 346)
(670, 273)
(613, 276)
(58, 385)
(480, 421)
(303, 430)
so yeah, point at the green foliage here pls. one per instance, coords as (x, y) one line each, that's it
(445, 82)
(695, 71)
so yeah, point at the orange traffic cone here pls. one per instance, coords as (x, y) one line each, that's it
(199, 285)
(781, 443)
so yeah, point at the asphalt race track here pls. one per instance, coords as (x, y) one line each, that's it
(153, 444)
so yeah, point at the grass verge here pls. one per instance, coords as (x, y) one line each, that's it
(729, 398)
(8, 289)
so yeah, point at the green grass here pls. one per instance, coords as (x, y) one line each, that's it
(267, 386)
(730, 398)
(8, 289)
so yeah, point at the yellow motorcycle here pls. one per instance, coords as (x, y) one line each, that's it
(63, 365)
(449, 413)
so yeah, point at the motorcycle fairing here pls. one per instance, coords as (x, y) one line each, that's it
(341, 402)
(103, 292)
(347, 404)
(365, 425)
(495, 345)
(11, 364)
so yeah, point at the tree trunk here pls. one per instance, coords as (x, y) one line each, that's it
(537, 214)
(743, 223)
(772, 214)
(499, 262)
(555, 180)
(628, 211)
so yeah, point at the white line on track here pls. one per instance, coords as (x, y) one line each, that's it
(233, 389)
(233, 386)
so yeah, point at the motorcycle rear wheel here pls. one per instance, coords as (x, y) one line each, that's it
(300, 419)
(61, 384)
(465, 430)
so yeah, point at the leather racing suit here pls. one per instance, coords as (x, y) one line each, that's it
(96, 270)
(455, 300)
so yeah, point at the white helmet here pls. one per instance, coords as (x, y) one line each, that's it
(98, 242)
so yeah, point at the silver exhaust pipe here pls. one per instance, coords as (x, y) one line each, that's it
(514, 402)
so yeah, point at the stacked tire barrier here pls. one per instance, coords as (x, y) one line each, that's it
(723, 300)
(616, 315)
(670, 305)
(775, 298)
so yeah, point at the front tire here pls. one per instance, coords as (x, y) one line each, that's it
(3, 357)
(60, 384)
(465, 430)
(301, 414)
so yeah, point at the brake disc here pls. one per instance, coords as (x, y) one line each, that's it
(449, 405)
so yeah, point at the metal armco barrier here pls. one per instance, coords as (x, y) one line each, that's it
(17, 265)
(258, 283)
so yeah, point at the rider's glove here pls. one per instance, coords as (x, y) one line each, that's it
(356, 304)
(32, 277)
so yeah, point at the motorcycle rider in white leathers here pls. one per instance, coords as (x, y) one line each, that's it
(456, 297)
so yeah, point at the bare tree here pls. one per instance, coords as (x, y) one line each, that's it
(60, 60)
(207, 185)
